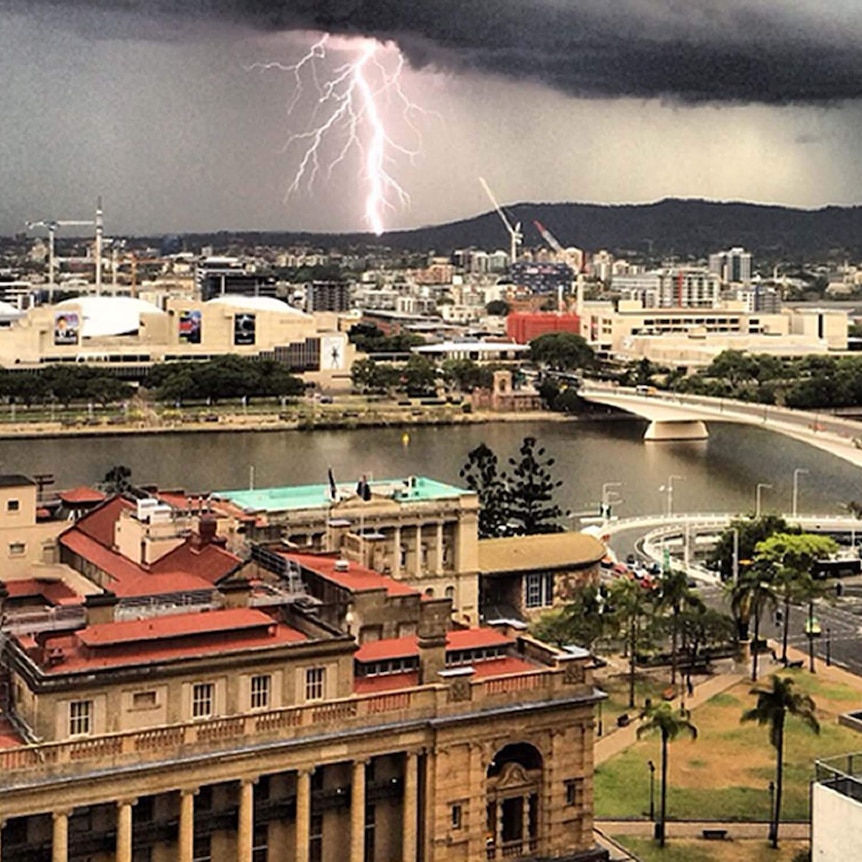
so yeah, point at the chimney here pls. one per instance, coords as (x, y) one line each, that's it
(235, 593)
(207, 527)
(99, 608)
(434, 616)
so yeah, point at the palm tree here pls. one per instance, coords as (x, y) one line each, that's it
(629, 602)
(749, 597)
(774, 704)
(674, 596)
(670, 724)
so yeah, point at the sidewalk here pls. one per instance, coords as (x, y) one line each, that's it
(694, 828)
(620, 738)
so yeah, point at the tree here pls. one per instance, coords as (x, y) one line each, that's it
(531, 490)
(481, 474)
(744, 534)
(562, 351)
(582, 621)
(791, 558)
(117, 479)
(670, 724)
(420, 375)
(674, 595)
(750, 594)
(629, 603)
(774, 704)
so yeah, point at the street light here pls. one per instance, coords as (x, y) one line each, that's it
(771, 835)
(668, 489)
(796, 473)
(651, 767)
(735, 556)
(607, 490)
(760, 487)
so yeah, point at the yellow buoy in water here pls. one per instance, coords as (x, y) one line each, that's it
(405, 439)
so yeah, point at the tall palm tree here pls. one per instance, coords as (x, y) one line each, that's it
(774, 704)
(670, 724)
(630, 604)
(749, 597)
(674, 596)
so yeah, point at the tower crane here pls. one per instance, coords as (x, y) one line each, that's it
(515, 235)
(52, 226)
(549, 238)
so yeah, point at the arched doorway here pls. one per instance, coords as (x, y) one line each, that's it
(513, 792)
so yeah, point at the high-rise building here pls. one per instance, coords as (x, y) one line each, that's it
(732, 266)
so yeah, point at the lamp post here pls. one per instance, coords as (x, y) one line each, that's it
(796, 474)
(651, 767)
(828, 647)
(735, 556)
(771, 835)
(668, 489)
(607, 491)
(760, 487)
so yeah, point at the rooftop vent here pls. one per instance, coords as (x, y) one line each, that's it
(341, 565)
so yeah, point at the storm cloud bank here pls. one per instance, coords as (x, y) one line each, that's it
(737, 51)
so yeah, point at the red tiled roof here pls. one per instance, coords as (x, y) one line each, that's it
(356, 579)
(503, 666)
(211, 562)
(407, 647)
(81, 496)
(175, 626)
(9, 737)
(170, 638)
(54, 592)
(99, 524)
(100, 555)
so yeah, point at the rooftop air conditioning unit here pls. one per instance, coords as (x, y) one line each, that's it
(341, 565)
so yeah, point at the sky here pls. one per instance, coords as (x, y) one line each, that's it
(195, 115)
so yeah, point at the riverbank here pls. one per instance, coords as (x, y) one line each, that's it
(331, 420)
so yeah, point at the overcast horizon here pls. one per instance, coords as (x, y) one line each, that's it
(185, 119)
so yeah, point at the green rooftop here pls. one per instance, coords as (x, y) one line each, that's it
(296, 497)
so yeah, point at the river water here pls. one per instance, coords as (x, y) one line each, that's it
(718, 474)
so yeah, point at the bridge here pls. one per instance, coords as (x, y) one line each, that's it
(677, 416)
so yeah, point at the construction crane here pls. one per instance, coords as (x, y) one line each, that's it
(52, 226)
(515, 235)
(549, 238)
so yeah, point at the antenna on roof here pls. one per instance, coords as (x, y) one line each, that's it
(251, 478)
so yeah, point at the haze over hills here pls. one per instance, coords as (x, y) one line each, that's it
(686, 229)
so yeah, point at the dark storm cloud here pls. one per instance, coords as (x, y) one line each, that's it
(688, 50)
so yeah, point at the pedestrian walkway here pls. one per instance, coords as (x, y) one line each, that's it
(621, 738)
(747, 830)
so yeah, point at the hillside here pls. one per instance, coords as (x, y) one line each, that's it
(684, 228)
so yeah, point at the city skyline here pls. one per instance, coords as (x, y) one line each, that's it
(175, 119)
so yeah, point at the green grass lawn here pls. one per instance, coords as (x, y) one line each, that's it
(679, 850)
(724, 774)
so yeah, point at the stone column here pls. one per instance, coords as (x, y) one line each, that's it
(60, 837)
(499, 835)
(187, 826)
(417, 566)
(124, 831)
(409, 815)
(396, 556)
(357, 812)
(245, 827)
(303, 813)
(439, 560)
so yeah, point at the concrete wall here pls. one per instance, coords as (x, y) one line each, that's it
(835, 832)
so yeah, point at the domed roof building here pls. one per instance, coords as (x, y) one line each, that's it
(105, 316)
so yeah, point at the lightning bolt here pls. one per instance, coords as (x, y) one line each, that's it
(348, 112)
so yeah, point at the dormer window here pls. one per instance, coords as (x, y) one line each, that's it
(13, 505)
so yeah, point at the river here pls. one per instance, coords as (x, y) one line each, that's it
(718, 474)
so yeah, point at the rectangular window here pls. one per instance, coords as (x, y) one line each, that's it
(144, 700)
(260, 689)
(17, 549)
(575, 792)
(12, 505)
(202, 851)
(539, 590)
(202, 699)
(457, 816)
(80, 717)
(315, 839)
(315, 679)
(260, 843)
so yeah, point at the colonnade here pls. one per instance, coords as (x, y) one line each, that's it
(245, 822)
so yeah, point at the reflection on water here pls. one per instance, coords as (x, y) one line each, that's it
(718, 474)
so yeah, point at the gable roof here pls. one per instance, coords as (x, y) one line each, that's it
(533, 553)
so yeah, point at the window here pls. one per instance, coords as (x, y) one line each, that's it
(575, 792)
(315, 679)
(260, 689)
(315, 839)
(202, 851)
(202, 699)
(17, 549)
(457, 816)
(13, 505)
(539, 590)
(260, 843)
(369, 831)
(144, 700)
(80, 717)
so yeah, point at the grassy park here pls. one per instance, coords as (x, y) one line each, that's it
(725, 773)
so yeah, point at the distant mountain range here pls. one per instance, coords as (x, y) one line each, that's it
(685, 229)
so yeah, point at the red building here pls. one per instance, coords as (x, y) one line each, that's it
(523, 327)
